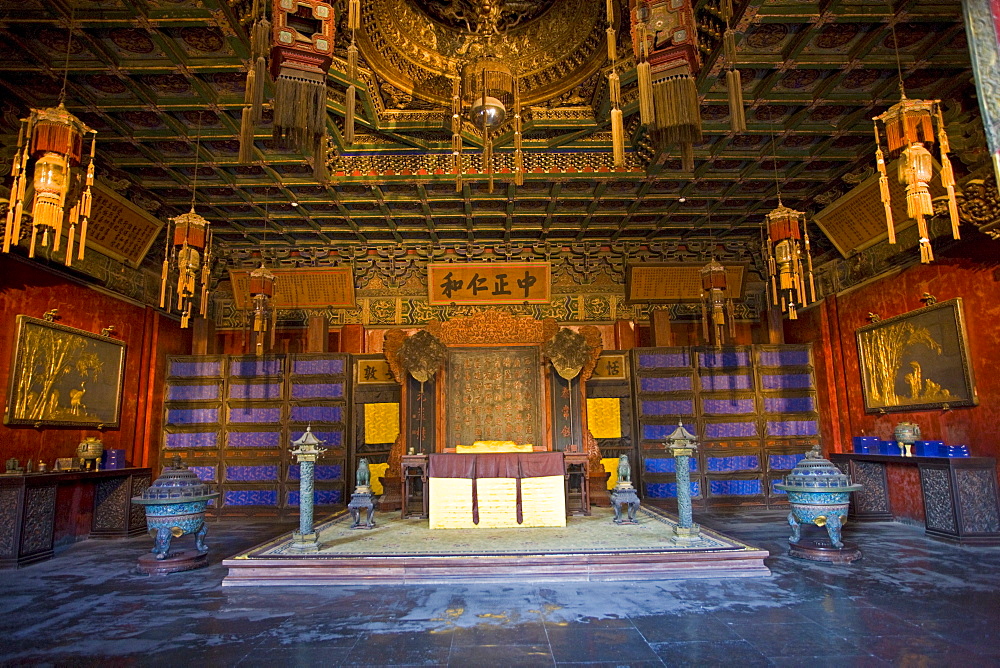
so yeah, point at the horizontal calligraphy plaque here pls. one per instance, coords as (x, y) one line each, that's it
(118, 228)
(320, 287)
(672, 282)
(857, 220)
(489, 283)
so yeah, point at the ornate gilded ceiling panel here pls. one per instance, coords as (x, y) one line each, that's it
(551, 47)
(163, 82)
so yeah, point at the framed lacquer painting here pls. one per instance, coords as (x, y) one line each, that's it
(62, 376)
(917, 361)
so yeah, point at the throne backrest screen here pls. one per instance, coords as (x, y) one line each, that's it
(493, 394)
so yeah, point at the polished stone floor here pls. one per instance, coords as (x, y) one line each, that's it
(911, 601)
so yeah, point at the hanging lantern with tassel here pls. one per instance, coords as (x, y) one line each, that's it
(51, 142)
(189, 254)
(489, 89)
(665, 39)
(789, 263)
(261, 294)
(908, 126)
(301, 55)
(716, 307)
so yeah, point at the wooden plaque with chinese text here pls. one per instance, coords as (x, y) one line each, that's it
(119, 229)
(489, 283)
(676, 282)
(319, 287)
(857, 220)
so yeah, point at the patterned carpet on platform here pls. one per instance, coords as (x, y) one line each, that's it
(596, 534)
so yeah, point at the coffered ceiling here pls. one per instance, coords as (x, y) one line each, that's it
(160, 79)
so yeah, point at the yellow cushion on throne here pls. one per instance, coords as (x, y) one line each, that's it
(492, 447)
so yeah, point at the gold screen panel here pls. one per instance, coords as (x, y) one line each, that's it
(676, 282)
(322, 287)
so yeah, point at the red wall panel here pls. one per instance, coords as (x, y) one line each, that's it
(830, 326)
(26, 288)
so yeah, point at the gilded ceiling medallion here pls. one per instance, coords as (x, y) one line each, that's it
(418, 46)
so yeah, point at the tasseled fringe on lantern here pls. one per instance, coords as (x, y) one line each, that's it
(918, 201)
(320, 172)
(488, 160)
(646, 110)
(913, 128)
(256, 100)
(253, 111)
(737, 116)
(299, 111)
(737, 113)
(352, 62)
(349, 116)
(704, 319)
(354, 14)
(609, 10)
(46, 214)
(518, 152)
(260, 38)
(456, 160)
(729, 47)
(81, 212)
(948, 181)
(615, 89)
(883, 185)
(811, 297)
(726, 10)
(678, 117)
(247, 131)
(731, 316)
(926, 253)
(12, 229)
(164, 273)
(947, 175)
(618, 137)
(612, 44)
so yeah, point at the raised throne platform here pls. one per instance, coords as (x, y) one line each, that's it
(402, 551)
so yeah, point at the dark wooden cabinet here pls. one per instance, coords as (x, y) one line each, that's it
(41, 513)
(959, 493)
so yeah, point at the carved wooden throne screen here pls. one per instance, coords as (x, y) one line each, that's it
(493, 394)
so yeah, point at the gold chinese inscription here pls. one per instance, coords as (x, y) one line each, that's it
(493, 395)
(489, 283)
(372, 372)
(610, 367)
(119, 229)
(676, 282)
(321, 287)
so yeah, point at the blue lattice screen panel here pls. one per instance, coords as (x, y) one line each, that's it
(753, 409)
(232, 419)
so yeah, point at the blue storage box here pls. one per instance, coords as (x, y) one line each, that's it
(954, 451)
(927, 448)
(112, 460)
(889, 448)
(865, 445)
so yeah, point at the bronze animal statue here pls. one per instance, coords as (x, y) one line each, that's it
(624, 470)
(363, 477)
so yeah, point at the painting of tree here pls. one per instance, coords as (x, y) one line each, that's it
(64, 376)
(916, 360)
